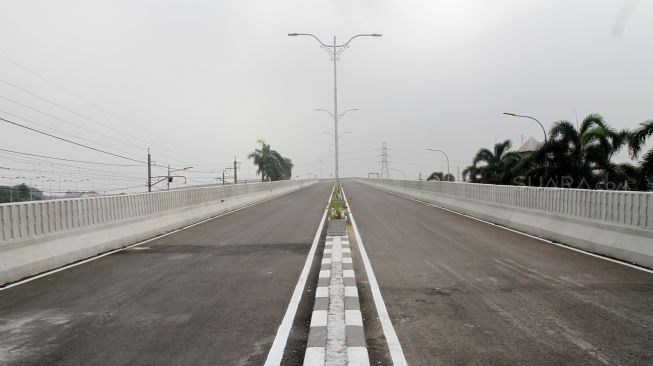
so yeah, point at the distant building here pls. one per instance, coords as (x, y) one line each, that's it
(81, 194)
(530, 145)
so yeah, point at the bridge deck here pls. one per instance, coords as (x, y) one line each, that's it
(460, 291)
(211, 294)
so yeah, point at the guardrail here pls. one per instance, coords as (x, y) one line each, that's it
(37, 218)
(40, 235)
(614, 223)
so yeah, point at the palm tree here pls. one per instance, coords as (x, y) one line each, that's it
(581, 156)
(636, 142)
(493, 167)
(263, 159)
(271, 165)
(440, 176)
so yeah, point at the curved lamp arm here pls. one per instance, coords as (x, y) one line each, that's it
(359, 35)
(310, 35)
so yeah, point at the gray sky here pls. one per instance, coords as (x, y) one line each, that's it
(201, 81)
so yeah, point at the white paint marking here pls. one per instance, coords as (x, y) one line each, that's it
(346, 250)
(351, 291)
(314, 356)
(325, 273)
(396, 353)
(30, 279)
(347, 260)
(326, 260)
(353, 317)
(319, 318)
(523, 233)
(322, 291)
(357, 356)
(327, 251)
(276, 351)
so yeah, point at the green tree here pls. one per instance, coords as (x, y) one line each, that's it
(581, 156)
(19, 193)
(271, 164)
(493, 166)
(440, 176)
(636, 143)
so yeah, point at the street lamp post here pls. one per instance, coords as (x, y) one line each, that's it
(336, 118)
(446, 157)
(529, 117)
(334, 51)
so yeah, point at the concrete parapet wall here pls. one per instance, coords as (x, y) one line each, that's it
(43, 235)
(613, 223)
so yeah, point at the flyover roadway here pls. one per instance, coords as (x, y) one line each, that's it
(212, 294)
(463, 292)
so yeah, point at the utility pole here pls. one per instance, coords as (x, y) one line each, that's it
(335, 103)
(223, 177)
(235, 170)
(149, 171)
(168, 178)
(384, 160)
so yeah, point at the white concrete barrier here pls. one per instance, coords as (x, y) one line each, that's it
(616, 224)
(39, 236)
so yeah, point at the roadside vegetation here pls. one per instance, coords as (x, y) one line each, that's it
(337, 205)
(572, 157)
(440, 176)
(272, 166)
(19, 193)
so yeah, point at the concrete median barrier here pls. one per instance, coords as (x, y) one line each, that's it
(616, 224)
(39, 236)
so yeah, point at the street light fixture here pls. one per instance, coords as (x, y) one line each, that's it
(334, 51)
(533, 118)
(445, 155)
(342, 134)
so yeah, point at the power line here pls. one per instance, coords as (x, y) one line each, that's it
(68, 122)
(66, 91)
(63, 132)
(85, 116)
(63, 159)
(69, 141)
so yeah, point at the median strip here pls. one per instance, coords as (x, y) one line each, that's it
(336, 335)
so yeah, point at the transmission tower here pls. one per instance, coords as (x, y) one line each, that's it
(385, 172)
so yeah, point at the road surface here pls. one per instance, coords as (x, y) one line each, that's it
(463, 292)
(213, 294)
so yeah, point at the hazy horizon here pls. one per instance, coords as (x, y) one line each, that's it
(200, 82)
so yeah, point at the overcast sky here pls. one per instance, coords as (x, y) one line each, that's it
(201, 81)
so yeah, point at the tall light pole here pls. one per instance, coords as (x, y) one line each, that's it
(446, 157)
(334, 51)
(336, 119)
(529, 117)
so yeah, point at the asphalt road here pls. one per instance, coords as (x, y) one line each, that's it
(213, 294)
(462, 292)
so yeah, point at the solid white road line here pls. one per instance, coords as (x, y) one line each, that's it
(396, 353)
(523, 233)
(276, 351)
(44, 274)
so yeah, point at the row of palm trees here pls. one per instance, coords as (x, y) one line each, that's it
(573, 158)
(271, 165)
